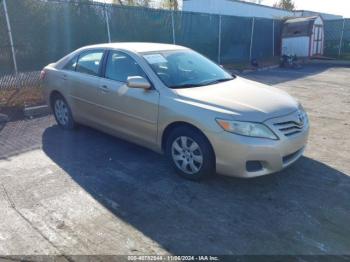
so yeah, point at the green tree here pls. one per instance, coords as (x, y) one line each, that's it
(285, 4)
(171, 4)
(119, 2)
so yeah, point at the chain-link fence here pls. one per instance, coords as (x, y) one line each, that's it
(34, 33)
(337, 38)
(345, 50)
(44, 31)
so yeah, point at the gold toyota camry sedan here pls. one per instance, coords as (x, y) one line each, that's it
(175, 101)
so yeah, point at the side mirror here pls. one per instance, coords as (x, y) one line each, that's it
(138, 82)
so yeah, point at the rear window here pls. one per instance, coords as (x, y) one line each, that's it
(89, 62)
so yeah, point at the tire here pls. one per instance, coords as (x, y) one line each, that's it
(190, 153)
(62, 112)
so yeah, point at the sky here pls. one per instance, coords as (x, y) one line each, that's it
(338, 7)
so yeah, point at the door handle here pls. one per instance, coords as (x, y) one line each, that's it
(64, 77)
(104, 89)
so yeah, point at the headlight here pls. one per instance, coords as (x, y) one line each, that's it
(247, 129)
(302, 115)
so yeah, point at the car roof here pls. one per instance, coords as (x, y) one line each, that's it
(138, 47)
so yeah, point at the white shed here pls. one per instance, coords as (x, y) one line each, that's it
(303, 37)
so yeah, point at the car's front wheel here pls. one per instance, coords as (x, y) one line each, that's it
(190, 153)
(62, 112)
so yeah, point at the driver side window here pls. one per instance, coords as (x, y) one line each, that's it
(120, 66)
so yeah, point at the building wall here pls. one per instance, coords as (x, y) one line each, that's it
(234, 8)
(238, 8)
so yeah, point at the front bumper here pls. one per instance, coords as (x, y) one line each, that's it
(233, 152)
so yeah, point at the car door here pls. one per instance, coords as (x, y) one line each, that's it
(84, 85)
(132, 112)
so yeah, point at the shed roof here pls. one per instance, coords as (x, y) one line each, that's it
(297, 20)
(301, 26)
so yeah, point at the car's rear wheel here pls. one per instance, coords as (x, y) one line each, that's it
(62, 112)
(190, 153)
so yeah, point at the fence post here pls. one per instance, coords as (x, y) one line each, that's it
(273, 37)
(10, 37)
(107, 23)
(341, 37)
(219, 44)
(173, 26)
(251, 40)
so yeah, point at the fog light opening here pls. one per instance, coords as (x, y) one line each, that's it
(254, 166)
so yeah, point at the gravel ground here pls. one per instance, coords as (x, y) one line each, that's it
(84, 192)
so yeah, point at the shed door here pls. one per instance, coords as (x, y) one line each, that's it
(317, 40)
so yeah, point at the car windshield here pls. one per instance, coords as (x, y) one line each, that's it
(185, 69)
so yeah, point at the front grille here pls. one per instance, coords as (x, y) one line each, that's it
(289, 128)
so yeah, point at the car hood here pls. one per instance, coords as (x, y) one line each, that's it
(244, 99)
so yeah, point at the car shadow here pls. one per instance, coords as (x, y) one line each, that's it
(302, 210)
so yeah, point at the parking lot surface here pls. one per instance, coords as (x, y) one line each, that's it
(85, 192)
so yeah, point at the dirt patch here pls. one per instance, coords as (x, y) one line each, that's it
(18, 91)
(13, 101)
(21, 97)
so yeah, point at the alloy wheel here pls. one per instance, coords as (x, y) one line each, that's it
(187, 155)
(61, 112)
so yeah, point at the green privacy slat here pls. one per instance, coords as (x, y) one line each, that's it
(199, 32)
(262, 39)
(45, 31)
(139, 24)
(346, 39)
(278, 26)
(333, 32)
(235, 39)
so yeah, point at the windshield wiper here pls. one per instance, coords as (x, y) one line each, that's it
(217, 81)
(202, 83)
(186, 85)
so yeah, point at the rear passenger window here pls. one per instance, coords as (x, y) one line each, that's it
(89, 62)
(71, 64)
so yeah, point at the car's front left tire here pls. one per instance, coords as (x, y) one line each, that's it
(62, 112)
(190, 153)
